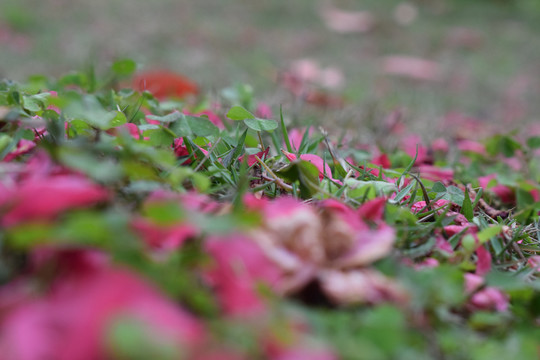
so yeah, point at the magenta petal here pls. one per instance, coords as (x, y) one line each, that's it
(483, 265)
(239, 267)
(72, 318)
(372, 210)
(40, 199)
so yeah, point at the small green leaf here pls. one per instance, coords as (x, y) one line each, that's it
(455, 195)
(238, 113)
(284, 131)
(172, 117)
(119, 119)
(261, 124)
(533, 142)
(488, 233)
(124, 67)
(438, 187)
(305, 174)
(467, 209)
(201, 126)
(159, 137)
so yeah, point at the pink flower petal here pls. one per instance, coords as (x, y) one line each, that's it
(73, 316)
(370, 245)
(412, 67)
(483, 265)
(41, 199)
(361, 286)
(239, 266)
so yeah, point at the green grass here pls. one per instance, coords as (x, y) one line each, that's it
(221, 43)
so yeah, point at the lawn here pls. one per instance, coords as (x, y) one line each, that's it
(269, 180)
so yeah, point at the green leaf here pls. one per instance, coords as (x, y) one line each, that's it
(159, 137)
(172, 117)
(523, 198)
(284, 131)
(238, 150)
(402, 193)
(305, 174)
(455, 195)
(119, 119)
(369, 189)
(533, 142)
(438, 187)
(488, 233)
(124, 67)
(5, 140)
(238, 113)
(190, 125)
(201, 126)
(467, 209)
(100, 170)
(261, 124)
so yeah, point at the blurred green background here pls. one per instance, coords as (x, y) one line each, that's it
(487, 51)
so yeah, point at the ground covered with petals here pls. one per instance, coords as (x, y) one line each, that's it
(140, 219)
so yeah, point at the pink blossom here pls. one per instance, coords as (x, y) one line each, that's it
(296, 136)
(372, 210)
(195, 201)
(534, 262)
(361, 286)
(410, 144)
(23, 147)
(434, 173)
(471, 146)
(251, 158)
(264, 111)
(443, 245)
(483, 264)
(162, 237)
(45, 198)
(412, 68)
(505, 193)
(238, 267)
(130, 128)
(319, 163)
(419, 205)
(489, 298)
(307, 242)
(74, 314)
(181, 150)
(383, 161)
(440, 145)
(452, 230)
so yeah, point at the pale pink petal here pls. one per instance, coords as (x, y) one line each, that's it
(264, 111)
(472, 282)
(440, 145)
(370, 245)
(471, 146)
(434, 173)
(342, 21)
(411, 144)
(360, 286)
(412, 67)
(489, 298)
